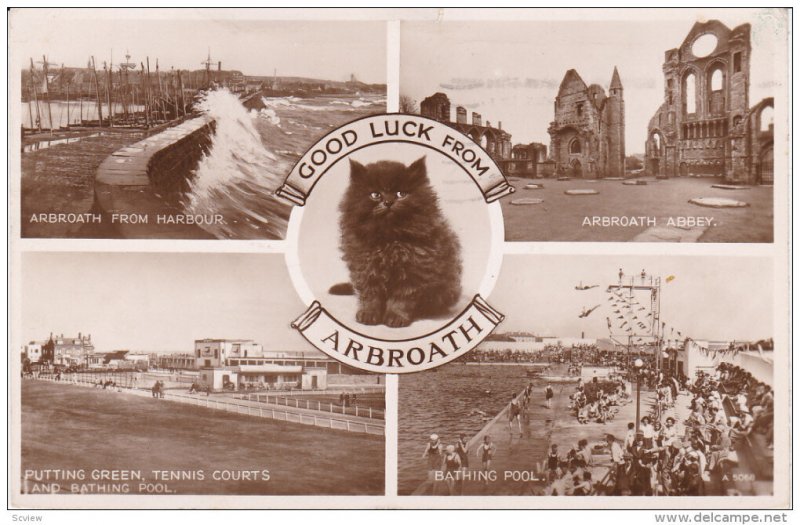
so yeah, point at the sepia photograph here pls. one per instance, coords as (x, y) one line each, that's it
(613, 130)
(178, 374)
(286, 259)
(612, 376)
(154, 128)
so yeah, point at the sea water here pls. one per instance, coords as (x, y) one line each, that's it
(252, 152)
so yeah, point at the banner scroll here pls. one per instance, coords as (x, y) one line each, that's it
(461, 334)
(394, 127)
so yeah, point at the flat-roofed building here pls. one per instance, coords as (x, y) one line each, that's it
(213, 353)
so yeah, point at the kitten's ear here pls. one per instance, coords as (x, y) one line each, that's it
(357, 170)
(417, 172)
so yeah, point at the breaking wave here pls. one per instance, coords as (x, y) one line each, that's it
(252, 151)
(238, 175)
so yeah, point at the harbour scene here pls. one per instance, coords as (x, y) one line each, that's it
(136, 145)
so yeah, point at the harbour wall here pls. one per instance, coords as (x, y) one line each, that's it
(137, 188)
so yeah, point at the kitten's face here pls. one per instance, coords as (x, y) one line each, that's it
(389, 190)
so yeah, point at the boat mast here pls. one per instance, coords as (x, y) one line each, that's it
(32, 98)
(47, 92)
(173, 82)
(180, 87)
(144, 98)
(97, 95)
(62, 83)
(108, 96)
(149, 90)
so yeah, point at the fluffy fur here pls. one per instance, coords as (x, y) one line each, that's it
(403, 257)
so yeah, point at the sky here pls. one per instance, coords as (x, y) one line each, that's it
(521, 65)
(160, 302)
(711, 298)
(324, 50)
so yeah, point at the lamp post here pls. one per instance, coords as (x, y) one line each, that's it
(638, 364)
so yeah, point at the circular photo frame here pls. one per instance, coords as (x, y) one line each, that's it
(397, 244)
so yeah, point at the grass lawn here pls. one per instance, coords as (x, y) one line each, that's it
(69, 427)
(560, 217)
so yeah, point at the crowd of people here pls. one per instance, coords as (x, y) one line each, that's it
(574, 356)
(599, 400)
(751, 402)
(730, 411)
(550, 353)
(661, 457)
(570, 474)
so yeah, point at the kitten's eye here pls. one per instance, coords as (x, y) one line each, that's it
(401, 194)
(375, 196)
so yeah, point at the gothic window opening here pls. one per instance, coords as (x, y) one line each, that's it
(689, 93)
(716, 80)
(766, 119)
(657, 144)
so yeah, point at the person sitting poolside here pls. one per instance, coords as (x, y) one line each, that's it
(593, 411)
(583, 415)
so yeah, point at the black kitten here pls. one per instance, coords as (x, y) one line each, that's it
(403, 257)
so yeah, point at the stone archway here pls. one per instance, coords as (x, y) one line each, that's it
(766, 167)
(683, 170)
(655, 166)
(576, 169)
(656, 150)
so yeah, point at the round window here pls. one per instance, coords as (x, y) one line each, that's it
(704, 45)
